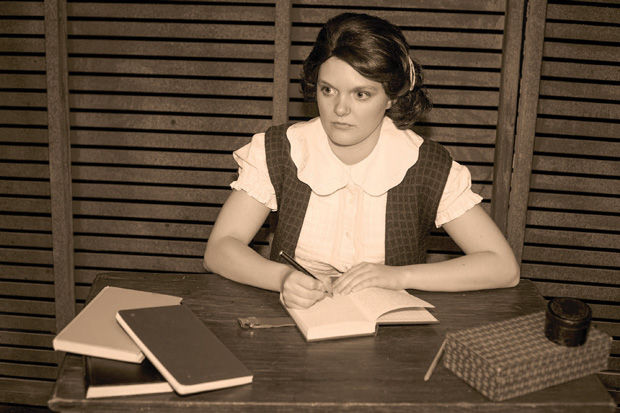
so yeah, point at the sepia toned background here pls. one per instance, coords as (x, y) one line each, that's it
(118, 118)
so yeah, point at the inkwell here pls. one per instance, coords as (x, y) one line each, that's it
(567, 321)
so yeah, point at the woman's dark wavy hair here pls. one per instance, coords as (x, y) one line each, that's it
(377, 50)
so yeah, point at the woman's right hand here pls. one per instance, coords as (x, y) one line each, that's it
(300, 290)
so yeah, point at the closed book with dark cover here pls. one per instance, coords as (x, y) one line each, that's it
(107, 378)
(184, 350)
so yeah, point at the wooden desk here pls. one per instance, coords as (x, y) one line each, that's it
(360, 374)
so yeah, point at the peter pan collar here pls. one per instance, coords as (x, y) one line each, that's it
(395, 152)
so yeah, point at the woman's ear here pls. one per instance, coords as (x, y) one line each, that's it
(390, 103)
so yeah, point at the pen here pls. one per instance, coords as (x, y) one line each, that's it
(299, 268)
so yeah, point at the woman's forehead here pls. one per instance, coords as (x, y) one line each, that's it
(341, 75)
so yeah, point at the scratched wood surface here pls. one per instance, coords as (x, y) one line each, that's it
(361, 374)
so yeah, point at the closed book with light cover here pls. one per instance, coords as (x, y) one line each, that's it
(95, 332)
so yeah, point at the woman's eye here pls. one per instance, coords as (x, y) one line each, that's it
(327, 90)
(363, 95)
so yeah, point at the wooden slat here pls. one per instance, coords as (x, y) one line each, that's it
(413, 18)
(582, 13)
(128, 210)
(26, 239)
(23, 63)
(32, 392)
(34, 324)
(169, 48)
(22, 45)
(282, 41)
(572, 238)
(198, 30)
(14, 204)
(25, 306)
(155, 158)
(25, 223)
(155, 263)
(23, 135)
(23, 117)
(26, 339)
(584, 292)
(603, 167)
(153, 175)
(572, 256)
(169, 86)
(584, 147)
(569, 127)
(166, 140)
(146, 246)
(24, 170)
(27, 355)
(583, 51)
(197, 12)
(170, 123)
(26, 272)
(596, 185)
(592, 71)
(28, 371)
(25, 153)
(470, 5)
(23, 99)
(30, 188)
(579, 90)
(23, 81)
(11, 26)
(27, 289)
(143, 192)
(187, 105)
(569, 273)
(142, 228)
(567, 108)
(21, 8)
(574, 202)
(573, 220)
(197, 68)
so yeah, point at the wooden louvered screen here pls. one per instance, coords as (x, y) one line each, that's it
(571, 163)
(160, 95)
(460, 48)
(27, 364)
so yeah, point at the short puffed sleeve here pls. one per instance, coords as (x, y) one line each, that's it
(457, 197)
(253, 173)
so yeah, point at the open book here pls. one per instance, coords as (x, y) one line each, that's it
(359, 313)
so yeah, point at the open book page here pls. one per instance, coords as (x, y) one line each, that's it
(374, 302)
(410, 316)
(335, 316)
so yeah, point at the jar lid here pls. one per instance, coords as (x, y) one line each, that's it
(570, 312)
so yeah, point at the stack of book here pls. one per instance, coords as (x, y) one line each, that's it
(120, 326)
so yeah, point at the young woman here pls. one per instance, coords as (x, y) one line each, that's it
(357, 192)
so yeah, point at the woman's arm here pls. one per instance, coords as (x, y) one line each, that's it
(489, 263)
(229, 255)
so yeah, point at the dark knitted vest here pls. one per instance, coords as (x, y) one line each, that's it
(410, 210)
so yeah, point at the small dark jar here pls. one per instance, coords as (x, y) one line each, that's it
(567, 321)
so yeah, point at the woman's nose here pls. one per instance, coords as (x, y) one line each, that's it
(342, 107)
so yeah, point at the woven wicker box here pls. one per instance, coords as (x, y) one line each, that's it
(513, 357)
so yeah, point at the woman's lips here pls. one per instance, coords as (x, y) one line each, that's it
(342, 125)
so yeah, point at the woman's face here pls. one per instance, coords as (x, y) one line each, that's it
(351, 108)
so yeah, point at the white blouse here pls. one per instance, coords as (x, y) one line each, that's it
(345, 219)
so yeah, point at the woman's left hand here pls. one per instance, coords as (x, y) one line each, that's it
(365, 274)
